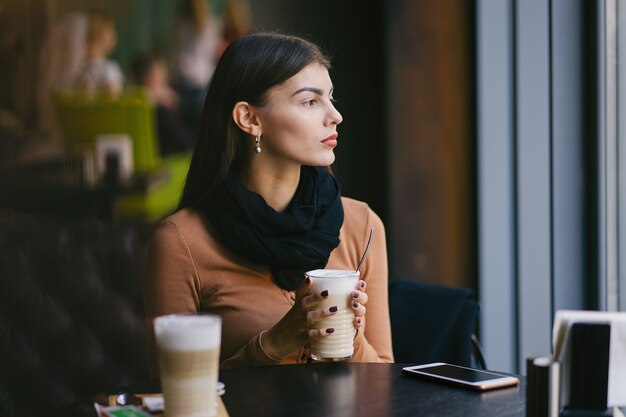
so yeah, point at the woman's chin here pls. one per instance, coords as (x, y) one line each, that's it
(323, 161)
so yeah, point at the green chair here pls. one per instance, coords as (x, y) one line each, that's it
(84, 116)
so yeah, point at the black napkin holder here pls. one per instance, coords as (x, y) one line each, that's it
(589, 371)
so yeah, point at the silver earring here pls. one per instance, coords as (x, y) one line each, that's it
(257, 144)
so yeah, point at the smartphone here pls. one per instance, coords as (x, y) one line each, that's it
(475, 379)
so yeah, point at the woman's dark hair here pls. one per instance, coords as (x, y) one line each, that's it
(247, 70)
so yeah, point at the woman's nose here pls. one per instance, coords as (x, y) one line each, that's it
(334, 115)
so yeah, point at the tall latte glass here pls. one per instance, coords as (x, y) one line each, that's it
(340, 284)
(188, 349)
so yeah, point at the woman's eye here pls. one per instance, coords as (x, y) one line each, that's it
(310, 103)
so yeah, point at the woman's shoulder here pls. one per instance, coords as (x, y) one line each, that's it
(358, 220)
(357, 209)
(358, 216)
(187, 223)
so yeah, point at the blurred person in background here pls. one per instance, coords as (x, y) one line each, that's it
(236, 21)
(64, 51)
(98, 72)
(197, 41)
(150, 71)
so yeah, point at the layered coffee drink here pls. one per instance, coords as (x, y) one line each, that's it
(189, 349)
(340, 284)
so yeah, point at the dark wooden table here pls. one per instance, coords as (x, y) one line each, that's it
(346, 390)
(357, 389)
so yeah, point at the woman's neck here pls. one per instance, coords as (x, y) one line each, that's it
(276, 186)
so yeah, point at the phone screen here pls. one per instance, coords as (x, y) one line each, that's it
(464, 374)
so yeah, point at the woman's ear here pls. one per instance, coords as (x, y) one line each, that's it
(245, 116)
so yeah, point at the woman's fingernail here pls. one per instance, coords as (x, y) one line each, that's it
(324, 293)
(358, 320)
(362, 284)
(307, 280)
(355, 294)
(355, 304)
(333, 309)
(330, 330)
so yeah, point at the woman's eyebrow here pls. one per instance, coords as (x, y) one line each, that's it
(317, 91)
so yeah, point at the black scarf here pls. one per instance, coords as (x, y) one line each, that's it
(290, 242)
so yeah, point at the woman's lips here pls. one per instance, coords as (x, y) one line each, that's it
(331, 141)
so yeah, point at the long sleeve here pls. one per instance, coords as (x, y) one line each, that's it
(252, 354)
(373, 343)
(171, 282)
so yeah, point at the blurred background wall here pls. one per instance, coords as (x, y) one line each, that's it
(403, 75)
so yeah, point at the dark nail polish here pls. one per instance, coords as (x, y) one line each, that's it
(307, 280)
(324, 293)
(330, 330)
(333, 309)
(355, 304)
(362, 284)
(355, 294)
(358, 320)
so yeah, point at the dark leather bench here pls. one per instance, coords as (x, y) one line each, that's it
(71, 311)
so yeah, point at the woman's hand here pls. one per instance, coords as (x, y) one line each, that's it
(295, 330)
(359, 299)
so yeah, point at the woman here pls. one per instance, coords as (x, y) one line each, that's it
(197, 45)
(99, 72)
(259, 209)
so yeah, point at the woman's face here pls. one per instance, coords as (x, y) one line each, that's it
(299, 121)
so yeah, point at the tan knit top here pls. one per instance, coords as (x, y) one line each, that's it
(189, 271)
